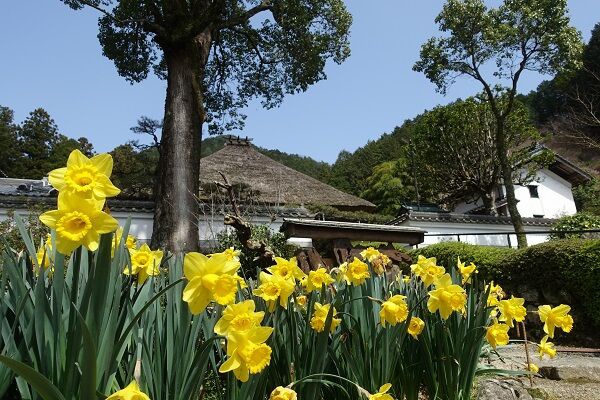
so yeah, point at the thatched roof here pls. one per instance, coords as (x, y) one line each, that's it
(272, 182)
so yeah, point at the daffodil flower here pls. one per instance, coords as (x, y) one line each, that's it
(512, 310)
(247, 353)
(273, 288)
(210, 278)
(446, 297)
(319, 318)
(281, 393)
(78, 222)
(546, 348)
(131, 392)
(415, 327)
(317, 279)
(85, 177)
(355, 272)
(394, 310)
(144, 263)
(555, 317)
(239, 317)
(382, 393)
(497, 334)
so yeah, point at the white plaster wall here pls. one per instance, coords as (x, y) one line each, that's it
(555, 197)
(486, 240)
(208, 226)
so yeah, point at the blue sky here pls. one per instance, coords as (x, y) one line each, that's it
(51, 59)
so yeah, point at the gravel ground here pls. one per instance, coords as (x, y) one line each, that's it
(582, 371)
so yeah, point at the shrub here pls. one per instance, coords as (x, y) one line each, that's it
(571, 265)
(579, 221)
(488, 259)
(10, 236)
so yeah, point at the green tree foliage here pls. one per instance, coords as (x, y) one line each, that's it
(587, 197)
(577, 222)
(556, 97)
(134, 170)
(516, 36)
(351, 170)
(389, 186)
(317, 169)
(34, 147)
(8, 143)
(456, 154)
(216, 57)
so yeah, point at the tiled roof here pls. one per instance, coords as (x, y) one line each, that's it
(455, 218)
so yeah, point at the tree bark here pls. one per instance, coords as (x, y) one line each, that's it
(507, 178)
(176, 212)
(489, 203)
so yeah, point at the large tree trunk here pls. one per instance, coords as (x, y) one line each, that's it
(178, 175)
(507, 178)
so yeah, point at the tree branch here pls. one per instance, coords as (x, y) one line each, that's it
(243, 228)
(240, 19)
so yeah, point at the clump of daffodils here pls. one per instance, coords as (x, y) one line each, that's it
(247, 352)
(83, 186)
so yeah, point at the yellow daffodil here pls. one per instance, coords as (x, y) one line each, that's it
(415, 327)
(394, 310)
(370, 254)
(232, 254)
(301, 302)
(273, 288)
(247, 352)
(466, 271)
(497, 334)
(210, 278)
(144, 263)
(78, 222)
(512, 310)
(130, 240)
(281, 393)
(317, 279)
(85, 177)
(422, 263)
(495, 295)
(533, 368)
(131, 392)
(555, 317)
(319, 318)
(546, 348)
(380, 263)
(239, 317)
(446, 297)
(355, 272)
(427, 270)
(287, 269)
(43, 261)
(382, 393)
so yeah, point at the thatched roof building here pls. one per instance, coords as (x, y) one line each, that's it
(271, 182)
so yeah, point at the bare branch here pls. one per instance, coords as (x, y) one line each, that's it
(243, 228)
(242, 18)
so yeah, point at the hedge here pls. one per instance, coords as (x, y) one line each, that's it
(555, 267)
